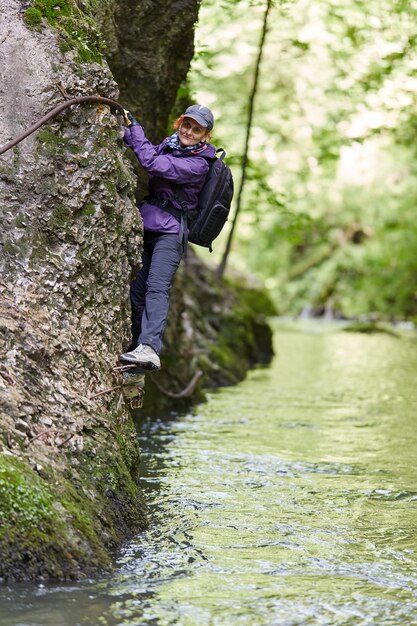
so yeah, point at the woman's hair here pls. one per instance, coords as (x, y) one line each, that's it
(180, 120)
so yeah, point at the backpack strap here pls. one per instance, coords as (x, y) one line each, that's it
(166, 205)
(179, 195)
(183, 215)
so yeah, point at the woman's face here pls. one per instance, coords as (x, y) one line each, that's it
(190, 132)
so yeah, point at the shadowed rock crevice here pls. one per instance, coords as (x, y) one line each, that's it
(153, 51)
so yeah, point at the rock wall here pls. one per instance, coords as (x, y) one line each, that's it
(70, 242)
(70, 238)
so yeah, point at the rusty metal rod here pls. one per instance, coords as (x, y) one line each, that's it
(61, 107)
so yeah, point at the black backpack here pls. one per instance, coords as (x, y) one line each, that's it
(207, 220)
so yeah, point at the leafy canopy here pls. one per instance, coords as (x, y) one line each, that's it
(329, 203)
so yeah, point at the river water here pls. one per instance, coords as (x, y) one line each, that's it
(289, 499)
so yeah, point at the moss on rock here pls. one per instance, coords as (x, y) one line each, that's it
(85, 39)
(32, 17)
(76, 28)
(24, 497)
(58, 525)
(52, 10)
(31, 529)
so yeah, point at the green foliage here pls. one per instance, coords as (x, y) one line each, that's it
(328, 217)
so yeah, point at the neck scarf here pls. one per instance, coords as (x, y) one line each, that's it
(173, 142)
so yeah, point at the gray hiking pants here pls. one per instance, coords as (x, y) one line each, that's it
(150, 291)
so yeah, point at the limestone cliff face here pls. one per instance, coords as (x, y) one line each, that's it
(70, 240)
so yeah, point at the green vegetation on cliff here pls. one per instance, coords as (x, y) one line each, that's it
(219, 328)
(59, 524)
(76, 27)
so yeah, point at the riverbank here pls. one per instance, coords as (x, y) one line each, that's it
(218, 328)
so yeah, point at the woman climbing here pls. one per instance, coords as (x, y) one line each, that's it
(181, 159)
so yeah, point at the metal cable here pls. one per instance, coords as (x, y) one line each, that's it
(65, 105)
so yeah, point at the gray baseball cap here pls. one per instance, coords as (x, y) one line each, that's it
(200, 114)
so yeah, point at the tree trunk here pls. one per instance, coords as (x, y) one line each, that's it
(222, 266)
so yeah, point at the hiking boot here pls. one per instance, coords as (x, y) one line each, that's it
(144, 356)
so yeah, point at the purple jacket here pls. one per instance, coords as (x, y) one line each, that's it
(163, 165)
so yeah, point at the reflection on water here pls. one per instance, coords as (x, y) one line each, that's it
(290, 499)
